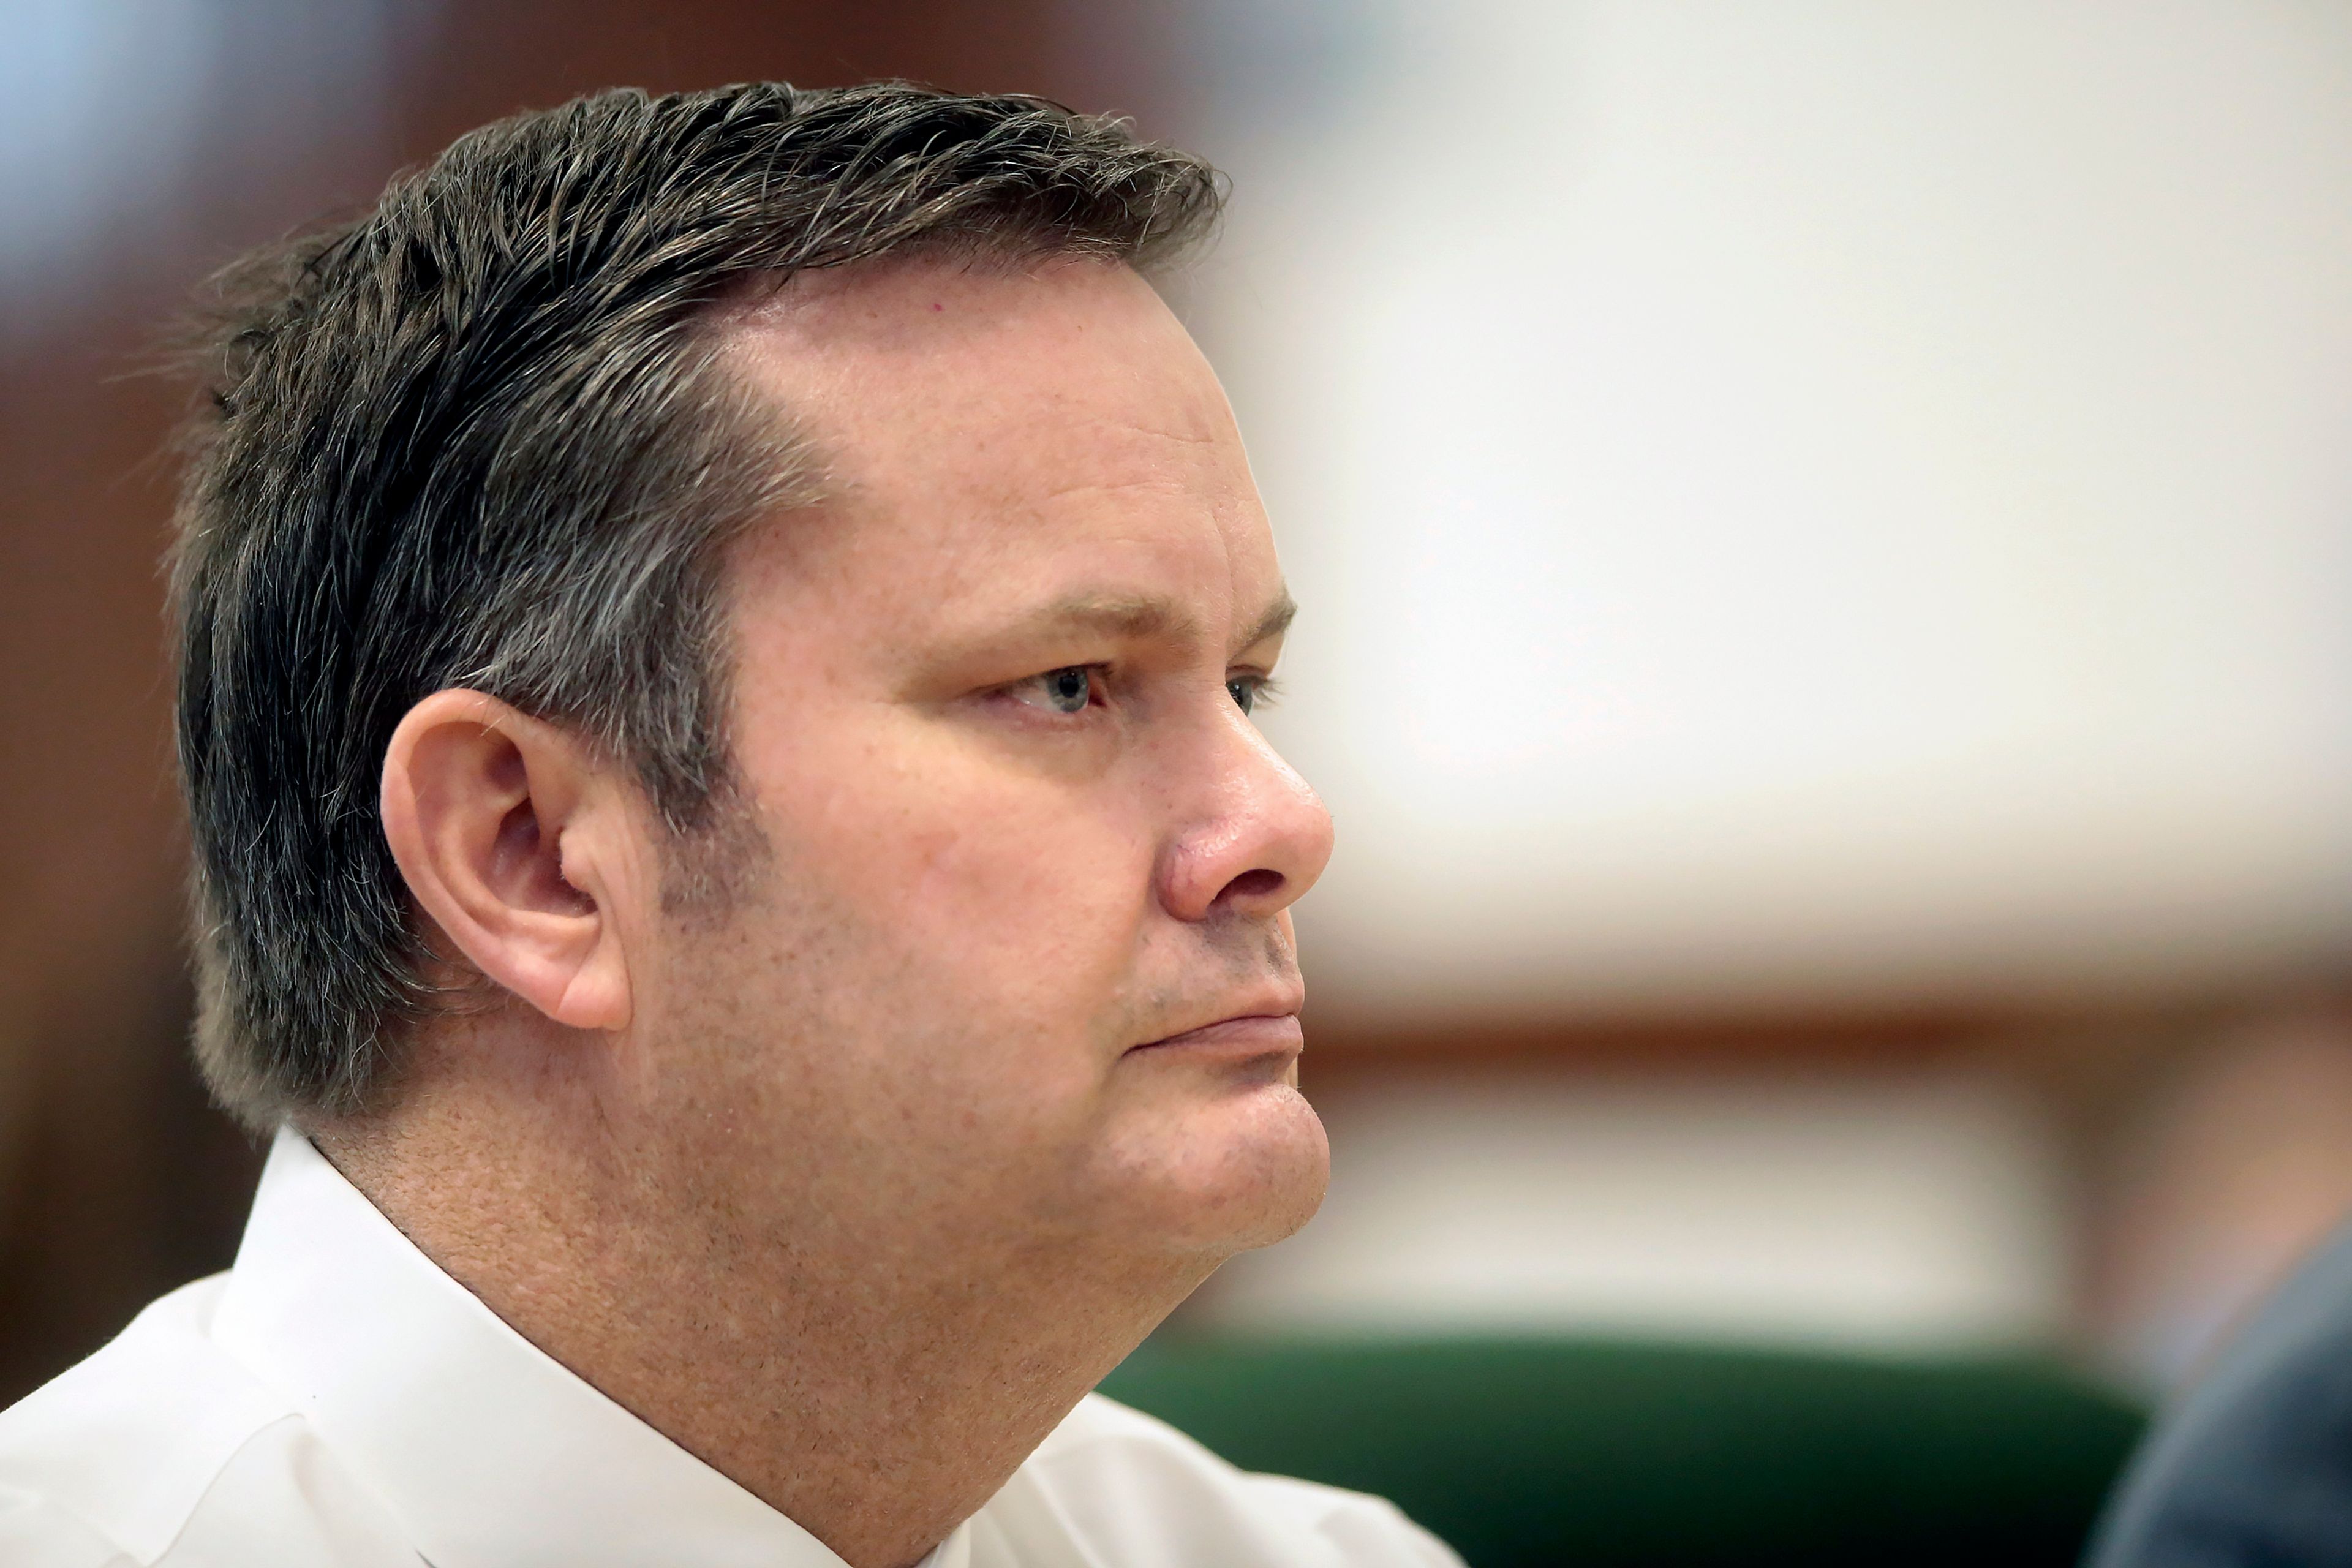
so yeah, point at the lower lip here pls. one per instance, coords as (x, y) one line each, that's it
(1260, 1034)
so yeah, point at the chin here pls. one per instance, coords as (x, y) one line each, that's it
(1244, 1170)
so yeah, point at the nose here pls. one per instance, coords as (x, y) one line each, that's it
(1257, 838)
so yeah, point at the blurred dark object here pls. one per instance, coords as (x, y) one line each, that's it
(1523, 1452)
(2254, 1470)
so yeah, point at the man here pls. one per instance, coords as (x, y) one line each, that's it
(719, 637)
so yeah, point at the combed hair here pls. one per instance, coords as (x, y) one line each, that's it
(482, 436)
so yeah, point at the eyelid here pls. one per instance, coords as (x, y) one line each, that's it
(1098, 687)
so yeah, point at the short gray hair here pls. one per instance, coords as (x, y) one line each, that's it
(481, 436)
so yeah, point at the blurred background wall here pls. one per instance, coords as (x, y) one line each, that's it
(1822, 530)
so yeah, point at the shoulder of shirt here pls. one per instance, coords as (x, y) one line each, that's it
(1109, 1452)
(1103, 1432)
(105, 1462)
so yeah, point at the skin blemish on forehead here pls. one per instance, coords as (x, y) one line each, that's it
(937, 306)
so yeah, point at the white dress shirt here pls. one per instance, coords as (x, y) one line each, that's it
(337, 1401)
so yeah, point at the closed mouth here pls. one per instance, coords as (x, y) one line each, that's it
(1243, 1034)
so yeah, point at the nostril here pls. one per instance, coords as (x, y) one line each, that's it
(1254, 884)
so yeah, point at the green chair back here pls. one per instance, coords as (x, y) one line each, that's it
(1523, 1453)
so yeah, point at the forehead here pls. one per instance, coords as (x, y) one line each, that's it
(992, 431)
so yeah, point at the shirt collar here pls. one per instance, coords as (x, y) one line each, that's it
(489, 1451)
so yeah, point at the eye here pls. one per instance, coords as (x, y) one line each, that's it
(1064, 691)
(1250, 692)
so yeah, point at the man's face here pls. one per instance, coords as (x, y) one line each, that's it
(1021, 966)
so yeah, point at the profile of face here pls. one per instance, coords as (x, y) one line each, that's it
(1015, 968)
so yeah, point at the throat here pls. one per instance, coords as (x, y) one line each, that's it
(877, 1392)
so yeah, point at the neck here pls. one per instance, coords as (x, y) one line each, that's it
(875, 1388)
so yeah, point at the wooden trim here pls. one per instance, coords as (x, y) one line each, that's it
(1827, 1036)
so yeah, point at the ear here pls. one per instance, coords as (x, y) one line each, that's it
(519, 846)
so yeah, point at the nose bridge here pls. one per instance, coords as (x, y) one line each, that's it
(1246, 832)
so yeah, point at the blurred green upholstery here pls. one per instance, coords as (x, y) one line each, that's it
(1526, 1452)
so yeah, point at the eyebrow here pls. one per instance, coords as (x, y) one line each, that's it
(1116, 614)
(1273, 622)
(1140, 616)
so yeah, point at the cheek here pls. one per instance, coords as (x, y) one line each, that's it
(1044, 908)
(982, 888)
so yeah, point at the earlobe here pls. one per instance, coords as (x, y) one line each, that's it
(509, 838)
